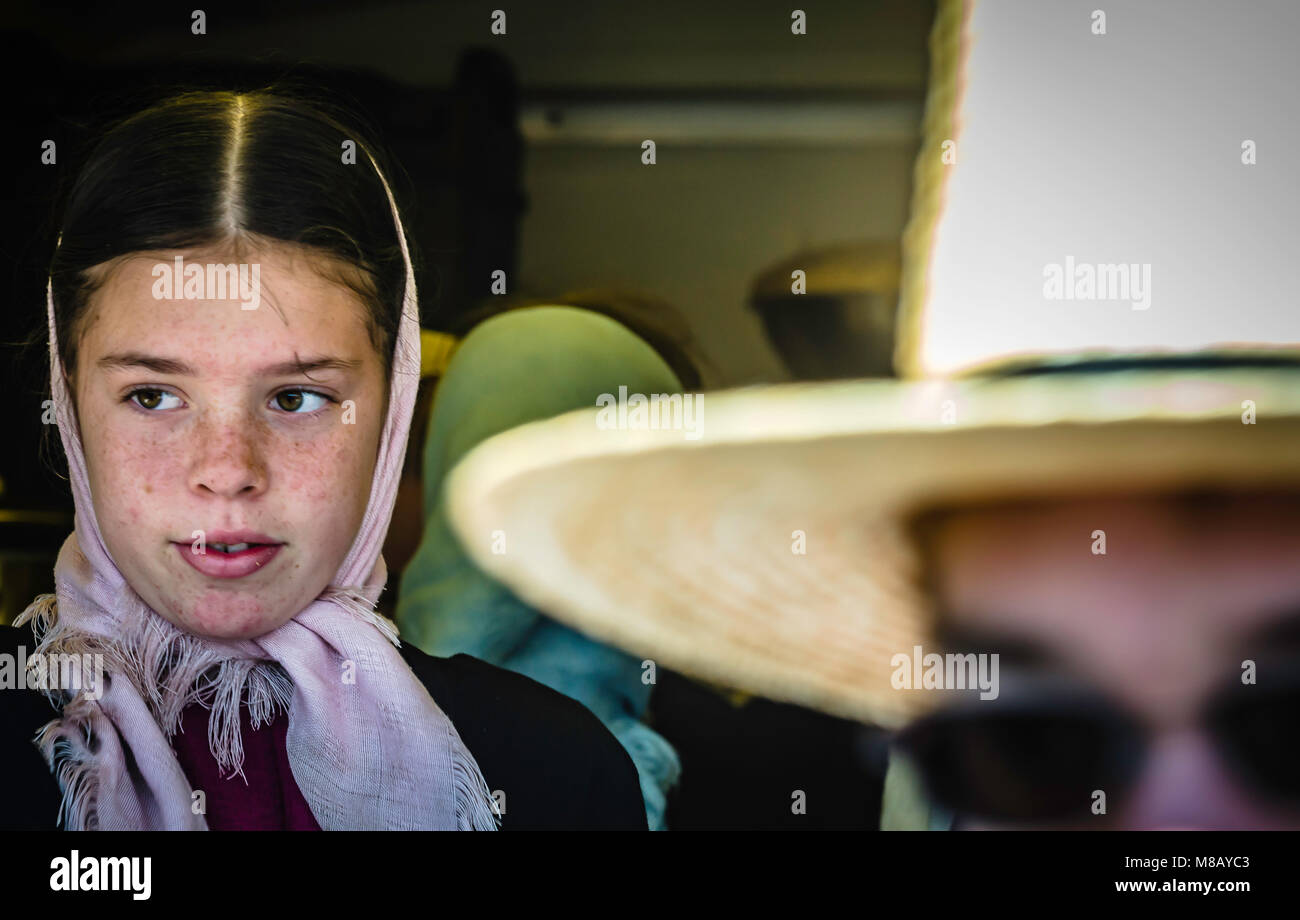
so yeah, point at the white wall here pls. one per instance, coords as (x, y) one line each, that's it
(697, 227)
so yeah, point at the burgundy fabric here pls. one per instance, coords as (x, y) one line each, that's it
(270, 801)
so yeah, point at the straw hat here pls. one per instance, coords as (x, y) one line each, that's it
(765, 547)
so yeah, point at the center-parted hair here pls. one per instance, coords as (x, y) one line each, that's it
(228, 171)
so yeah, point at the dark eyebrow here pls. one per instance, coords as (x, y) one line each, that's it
(160, 365)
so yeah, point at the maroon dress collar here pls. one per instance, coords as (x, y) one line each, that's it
(269, 801)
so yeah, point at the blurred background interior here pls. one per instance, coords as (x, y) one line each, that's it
(775, 152)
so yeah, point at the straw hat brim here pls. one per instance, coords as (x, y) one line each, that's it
(686, 551)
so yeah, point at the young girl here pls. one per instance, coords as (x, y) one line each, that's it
(234, 348)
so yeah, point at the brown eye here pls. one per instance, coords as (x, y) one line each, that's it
(301, 402)
(149, 399)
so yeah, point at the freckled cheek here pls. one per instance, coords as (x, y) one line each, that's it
(128, 477)
(330, 474)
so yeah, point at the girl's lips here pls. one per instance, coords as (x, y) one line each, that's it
(229, 565)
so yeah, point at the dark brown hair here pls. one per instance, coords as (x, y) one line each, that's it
(216, 170)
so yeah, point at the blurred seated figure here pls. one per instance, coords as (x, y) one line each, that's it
(527, 364)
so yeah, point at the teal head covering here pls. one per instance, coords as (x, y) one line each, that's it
(520, 367)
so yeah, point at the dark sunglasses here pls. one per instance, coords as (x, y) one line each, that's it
(1037, 753)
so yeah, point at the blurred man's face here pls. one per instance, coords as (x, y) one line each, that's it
(1161, 624)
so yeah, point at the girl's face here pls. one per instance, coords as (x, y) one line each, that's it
(195, 419)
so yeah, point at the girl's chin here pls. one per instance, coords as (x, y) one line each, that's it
(230, 622)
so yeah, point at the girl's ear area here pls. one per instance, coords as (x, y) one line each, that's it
(70, 386)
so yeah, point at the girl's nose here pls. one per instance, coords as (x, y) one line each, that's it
(229, 461)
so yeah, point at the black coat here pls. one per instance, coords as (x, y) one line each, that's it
(559, 764)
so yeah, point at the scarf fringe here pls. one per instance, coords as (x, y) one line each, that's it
(264, 690)
(65, 742)
(40, 611)
(476, 807)
(360, 605)
(172, 669)
(65, 745)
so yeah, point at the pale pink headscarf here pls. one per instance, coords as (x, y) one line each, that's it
(375, 753)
